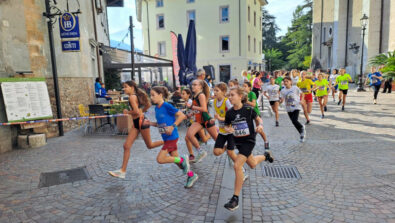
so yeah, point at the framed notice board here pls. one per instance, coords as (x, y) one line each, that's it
(25, 99)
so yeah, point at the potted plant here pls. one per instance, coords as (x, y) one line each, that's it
(387, 63)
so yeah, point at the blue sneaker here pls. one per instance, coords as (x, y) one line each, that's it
(191, 180)
(200, 156)
(185, 164)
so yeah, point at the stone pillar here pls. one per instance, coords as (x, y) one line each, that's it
(339, 33)
(391, 39)
(372, 38)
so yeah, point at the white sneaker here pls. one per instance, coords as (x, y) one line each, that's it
(117, 173)
(200, 156)
(303, 134)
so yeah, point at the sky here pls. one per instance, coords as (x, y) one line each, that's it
(119, 19)
(283, 11)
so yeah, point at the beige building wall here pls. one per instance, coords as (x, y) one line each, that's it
(337, 53)
(24, 46)
(209, 30)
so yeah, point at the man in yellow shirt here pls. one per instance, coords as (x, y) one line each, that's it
(306, 100)
(342, 81)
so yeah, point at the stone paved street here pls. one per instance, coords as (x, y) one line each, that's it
(347, 165)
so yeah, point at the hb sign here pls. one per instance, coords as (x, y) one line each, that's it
(68, 25)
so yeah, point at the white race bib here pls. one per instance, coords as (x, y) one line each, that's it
(343, 83)
(241, 129)
(321, 88)
(290, 100)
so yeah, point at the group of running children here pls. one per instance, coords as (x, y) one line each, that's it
(236, 111)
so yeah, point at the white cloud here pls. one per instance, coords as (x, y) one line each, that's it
(283, 11)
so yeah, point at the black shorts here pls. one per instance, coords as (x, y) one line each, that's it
(222, 139)
(344, 91)
(208, 124)
(245, 148)
(272, 102)
(138, 123)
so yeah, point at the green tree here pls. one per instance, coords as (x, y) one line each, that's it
(273, 58)
(298, 37)
(387, 61)
(269, 30)
(112, 79)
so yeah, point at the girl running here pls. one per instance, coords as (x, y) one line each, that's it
(202, 136)
(168, 118)
(295, 76)
(139, 103)
(273, 94)
(233, 83)
(257, 84)
(375, 81)
(332, 79)
(307, 97)
(239, 121)
(342, 81)
(253, 103)
(291, 95)
(322, 86)
(221, 106)
(202, 118)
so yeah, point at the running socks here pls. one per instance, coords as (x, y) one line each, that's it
(178, 160)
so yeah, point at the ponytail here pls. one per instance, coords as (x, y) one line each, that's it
(141, 95)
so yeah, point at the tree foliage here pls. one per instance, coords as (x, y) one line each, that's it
(273, 58)
(387, 61)
(269, 30)
(299, 35)
(295, 46)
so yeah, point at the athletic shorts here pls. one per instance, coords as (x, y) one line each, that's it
(272, 102)
(170, 145)
(308, 97)
(336, 87)
(222, 139)
(245, 148)
(138, 123)
(208, 124)
(344, 91)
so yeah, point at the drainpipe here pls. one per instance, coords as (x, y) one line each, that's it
(149, 37)
(346, 54)
(381, 27)
(95, 31)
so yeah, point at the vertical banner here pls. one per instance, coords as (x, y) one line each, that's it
(176, 66)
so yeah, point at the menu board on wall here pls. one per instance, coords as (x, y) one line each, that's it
(25, 99)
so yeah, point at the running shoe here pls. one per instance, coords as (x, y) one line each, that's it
(200, 156)
(322, 116)
(301, 138)
(191, 158)
(307, 122)
(245, 174)
(117, 173)
(233, 204)
(269, 157)
(340, 101)
(277, 124)
(343, 108)
(374, 101)
(334, 100)
(303, 134)
(191, 180)
(185, 164)
(325, 109)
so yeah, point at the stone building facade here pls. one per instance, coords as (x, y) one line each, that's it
(24, 46)
(337, 33)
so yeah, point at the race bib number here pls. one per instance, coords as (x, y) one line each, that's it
(273, 93)
(322, 88)
(304, 90)
(343, 83)
(241, 129)
(290, 100)
(162, 128)
(374, 80)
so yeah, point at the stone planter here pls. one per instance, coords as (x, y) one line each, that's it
(124, 124)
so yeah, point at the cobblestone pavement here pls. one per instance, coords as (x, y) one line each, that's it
(346, 164)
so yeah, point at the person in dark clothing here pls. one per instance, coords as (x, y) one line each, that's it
(387, 85)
